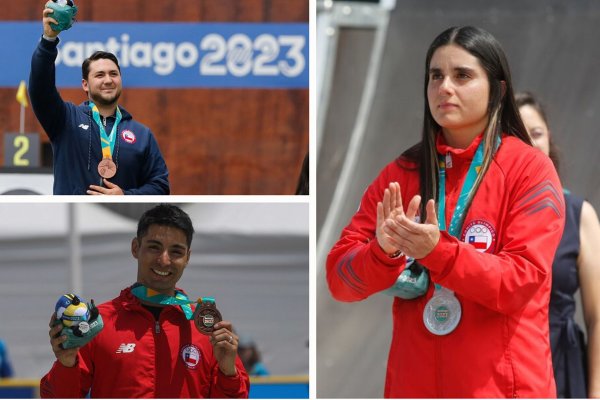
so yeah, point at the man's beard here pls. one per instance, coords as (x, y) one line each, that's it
(97, 98)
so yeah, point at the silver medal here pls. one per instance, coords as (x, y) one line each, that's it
(442, 312)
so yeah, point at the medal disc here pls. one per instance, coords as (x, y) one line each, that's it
(442, 313)
(107, 168)
(206, 316)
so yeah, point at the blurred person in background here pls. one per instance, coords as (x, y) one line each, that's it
(463, 227)
(6, 369)
(149, 346)
(251, 358)
(576, 266)
(98, 147)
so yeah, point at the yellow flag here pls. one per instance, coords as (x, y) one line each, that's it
(22, 94)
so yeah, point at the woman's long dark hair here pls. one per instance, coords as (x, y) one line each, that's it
(503, 114)
(528, 99)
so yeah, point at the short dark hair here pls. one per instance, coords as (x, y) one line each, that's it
(97, 55)
(166, 215)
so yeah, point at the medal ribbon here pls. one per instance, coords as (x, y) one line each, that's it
(465, 193)
(180, 299)
(107, 141)
(459, 211)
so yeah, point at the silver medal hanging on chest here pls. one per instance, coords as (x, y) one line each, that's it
(442, 312)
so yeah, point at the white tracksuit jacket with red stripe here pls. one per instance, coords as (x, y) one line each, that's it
(501, 345)
(135, 356)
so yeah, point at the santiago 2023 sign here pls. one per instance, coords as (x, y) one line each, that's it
(176, 55)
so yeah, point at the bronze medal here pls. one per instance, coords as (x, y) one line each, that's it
(107, 168)
(206, 316)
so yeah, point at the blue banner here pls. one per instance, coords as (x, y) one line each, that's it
(170, 55)
(278, 390)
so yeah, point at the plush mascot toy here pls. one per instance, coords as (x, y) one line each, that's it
(64, 13)
(81, 321)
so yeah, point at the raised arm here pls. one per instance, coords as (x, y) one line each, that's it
(48, 106)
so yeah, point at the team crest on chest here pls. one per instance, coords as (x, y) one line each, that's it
(128, 136)
(480, 234)
(190, 355)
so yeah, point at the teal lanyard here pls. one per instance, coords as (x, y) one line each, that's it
(107, 141)
(459, 211)
(180, 299)
(467, 188)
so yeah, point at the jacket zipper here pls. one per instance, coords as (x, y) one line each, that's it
(104, 121)
(438, 367)
(156, 331)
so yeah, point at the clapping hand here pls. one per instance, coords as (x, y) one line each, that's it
(398, 231)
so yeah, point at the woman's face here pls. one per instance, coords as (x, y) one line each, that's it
(536, 128)
(458, 93)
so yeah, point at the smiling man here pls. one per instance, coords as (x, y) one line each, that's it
(98, 148)
(149, 347)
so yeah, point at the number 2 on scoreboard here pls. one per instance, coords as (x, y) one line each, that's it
(21, 143)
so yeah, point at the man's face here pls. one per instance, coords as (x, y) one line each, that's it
(103, 84)
(162, 255)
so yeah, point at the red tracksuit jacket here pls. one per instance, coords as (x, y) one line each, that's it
(135, 356)
(502, 280)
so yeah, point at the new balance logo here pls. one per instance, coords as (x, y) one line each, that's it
(126, 348)
(84, 126)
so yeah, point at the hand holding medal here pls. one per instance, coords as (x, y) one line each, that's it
(208, 321)
(206, 315)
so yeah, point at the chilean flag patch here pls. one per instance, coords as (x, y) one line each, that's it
(128, 136)
(478, 241)
(190, 355)
(481, 235)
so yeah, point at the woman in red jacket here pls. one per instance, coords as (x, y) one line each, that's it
(469, 265)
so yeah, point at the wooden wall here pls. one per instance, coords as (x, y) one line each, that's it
(215, 141)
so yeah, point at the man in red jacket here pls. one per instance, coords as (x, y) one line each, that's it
(150, 348)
